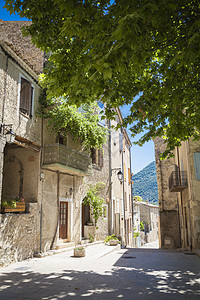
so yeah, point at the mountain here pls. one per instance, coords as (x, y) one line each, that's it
(145, 183)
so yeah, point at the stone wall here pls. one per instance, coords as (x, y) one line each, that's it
(168, 202)
(19, 235)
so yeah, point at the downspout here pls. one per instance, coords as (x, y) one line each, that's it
(181, 198)
(110, 179)
(123, 191)
(190, 196)
(5, 86)
(41, 179)
(131, 196)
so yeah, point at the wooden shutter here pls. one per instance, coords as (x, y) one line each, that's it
(26, 94)
(196, 157)
(129, 175)
(100, 160)
(124, 172)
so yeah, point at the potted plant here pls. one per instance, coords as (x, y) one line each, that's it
(90, 223)
(112, 240)
(79, 251)
(13, 205)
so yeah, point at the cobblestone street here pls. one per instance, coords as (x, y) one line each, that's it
(120, 274)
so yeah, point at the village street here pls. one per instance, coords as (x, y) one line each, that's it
(105, 273)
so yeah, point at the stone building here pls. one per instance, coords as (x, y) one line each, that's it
(179, 190)
(51, 172)
(121, 194)
(148, 214)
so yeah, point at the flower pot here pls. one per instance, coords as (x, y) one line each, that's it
(113, 242)
(20, 207)
(89, 223)
(79, 252)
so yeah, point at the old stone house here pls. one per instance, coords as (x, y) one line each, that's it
(179, 190)
(51, 172)
(121, 190)
(148, 215)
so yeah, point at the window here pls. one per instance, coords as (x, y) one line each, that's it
(61, 140)
(26, 97)
(125, 201)
(97, 156)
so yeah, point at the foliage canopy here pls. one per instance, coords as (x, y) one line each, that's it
(117, 50)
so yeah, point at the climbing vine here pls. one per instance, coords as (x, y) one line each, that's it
(94, 200)
(82, 123)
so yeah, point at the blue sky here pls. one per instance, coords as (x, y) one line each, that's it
(141, 156)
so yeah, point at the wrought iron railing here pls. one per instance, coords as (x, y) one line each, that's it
(177, 181)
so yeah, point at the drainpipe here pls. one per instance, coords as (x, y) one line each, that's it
(131, 196)
(110, 179)
(5, 86)
(123, 191)
(42, 180)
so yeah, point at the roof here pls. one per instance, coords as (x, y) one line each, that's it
(8, 50)
(11, 34)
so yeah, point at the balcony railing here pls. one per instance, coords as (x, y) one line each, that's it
(177, 181)
(61, 158)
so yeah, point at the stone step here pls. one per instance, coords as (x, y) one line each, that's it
(85, 241)
(65, 245)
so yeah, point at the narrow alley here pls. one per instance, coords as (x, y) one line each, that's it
(105, 273)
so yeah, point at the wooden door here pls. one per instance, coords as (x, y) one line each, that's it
(63, 220)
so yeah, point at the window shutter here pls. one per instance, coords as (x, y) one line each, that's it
(196, 157)
(26, 94)
(101, 157)
(129, 175)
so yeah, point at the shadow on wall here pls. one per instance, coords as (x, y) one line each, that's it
(134, 278)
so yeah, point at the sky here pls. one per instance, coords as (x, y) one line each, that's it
(140, 156)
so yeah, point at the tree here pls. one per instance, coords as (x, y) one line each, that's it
(139, 52)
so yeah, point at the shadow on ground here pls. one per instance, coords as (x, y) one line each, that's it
(137, 274)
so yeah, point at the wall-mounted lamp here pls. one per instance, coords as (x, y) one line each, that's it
(119, 173)
(41, 176)
(8, 133)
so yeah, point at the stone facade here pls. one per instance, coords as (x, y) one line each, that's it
(121, 195)
(179, 188)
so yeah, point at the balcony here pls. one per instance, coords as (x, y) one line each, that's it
(61, 158)
(177, 181)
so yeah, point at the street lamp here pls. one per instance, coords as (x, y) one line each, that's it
(9, 134)
(120, 176)
(119, 173)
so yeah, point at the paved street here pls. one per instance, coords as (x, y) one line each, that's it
(122, 274)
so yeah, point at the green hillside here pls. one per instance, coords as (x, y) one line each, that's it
(145, 183)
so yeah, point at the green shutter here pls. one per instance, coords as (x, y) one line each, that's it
(196, 157)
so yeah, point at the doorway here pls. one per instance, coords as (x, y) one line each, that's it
(85, 216)
(63, 220)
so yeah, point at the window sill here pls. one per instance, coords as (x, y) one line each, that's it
(25, 116)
